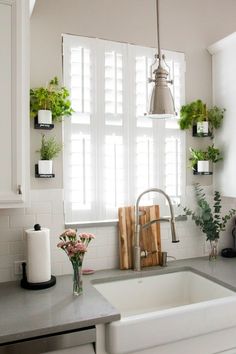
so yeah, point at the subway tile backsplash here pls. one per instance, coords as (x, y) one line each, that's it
(103, 253)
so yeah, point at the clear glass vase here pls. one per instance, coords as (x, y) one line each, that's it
(213, 251)
(77, 279)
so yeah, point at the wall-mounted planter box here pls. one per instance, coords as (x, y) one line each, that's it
(201, 130)
(202, 168)
(45, 126)
(202, 173)
(42, 175)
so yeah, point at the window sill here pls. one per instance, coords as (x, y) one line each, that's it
(102, 223)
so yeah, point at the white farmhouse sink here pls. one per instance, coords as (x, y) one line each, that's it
(165, 308)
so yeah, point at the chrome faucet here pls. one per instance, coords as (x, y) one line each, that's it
(137, 229)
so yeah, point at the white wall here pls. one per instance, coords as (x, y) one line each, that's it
(189, 26)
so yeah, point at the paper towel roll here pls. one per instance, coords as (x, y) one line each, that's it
(38, 256)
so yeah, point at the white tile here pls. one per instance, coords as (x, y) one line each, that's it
(39, 207)
(18, 211)
(67, 268)
(91, 253)
(57, 207)
(4, 248)
(11, 234)
(112, 262)
(45, 220)
(4, 221)
(46, 194)
(109, 251)
(101, 240)
(26, 221)
(7, 260)
(6, 274)
(56, 268)
(96, 264)
(58, 255)
(58, 220)
(17, 247)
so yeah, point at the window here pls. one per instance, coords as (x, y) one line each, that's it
(112, 151)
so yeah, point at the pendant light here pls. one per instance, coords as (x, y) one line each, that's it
(161, 102)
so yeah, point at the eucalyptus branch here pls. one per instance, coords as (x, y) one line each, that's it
(209, 218)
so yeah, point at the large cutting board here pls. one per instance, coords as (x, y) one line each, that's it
(150, 238)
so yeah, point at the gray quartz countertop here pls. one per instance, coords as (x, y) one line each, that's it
(26, 313)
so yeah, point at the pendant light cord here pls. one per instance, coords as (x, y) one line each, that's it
(158, 32)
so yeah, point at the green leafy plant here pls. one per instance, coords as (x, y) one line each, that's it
(211, 154)
(215, 118)
(197, 111)
(49, 148)
(192, 113)
(209, 218)
(53, 97)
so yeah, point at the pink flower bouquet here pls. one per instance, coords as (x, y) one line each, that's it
(75, 248)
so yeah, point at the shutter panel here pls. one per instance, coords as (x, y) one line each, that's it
(112, 152)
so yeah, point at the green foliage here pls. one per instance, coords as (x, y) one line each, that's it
(53, 97)
(215, 117)
(209, 219)
(211, 154)
(197, 111)
(49, 148)
(192, 113)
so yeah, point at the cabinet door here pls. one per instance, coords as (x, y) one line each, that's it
(14, 121)
(224, 81)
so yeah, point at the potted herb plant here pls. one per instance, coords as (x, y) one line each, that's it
(200, 159)
(209, 218)
(203, 121)
(50, 103)
(215, 117)
(48, 151)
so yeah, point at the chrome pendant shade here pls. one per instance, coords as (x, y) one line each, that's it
(161, 102)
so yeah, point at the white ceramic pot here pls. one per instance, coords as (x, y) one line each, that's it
(44, 116)
(203, 166)
(202, 127)
(45, 167)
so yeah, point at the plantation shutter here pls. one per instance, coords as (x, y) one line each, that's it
(112, 151)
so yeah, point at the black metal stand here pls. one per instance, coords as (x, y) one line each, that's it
(44, 126)
(38, 286)
(38, 175)
(35, 286)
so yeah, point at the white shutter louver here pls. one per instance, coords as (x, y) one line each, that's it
(112, 151)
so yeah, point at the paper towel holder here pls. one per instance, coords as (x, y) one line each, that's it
(35, 286)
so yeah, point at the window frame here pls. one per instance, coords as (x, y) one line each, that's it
(129, 125)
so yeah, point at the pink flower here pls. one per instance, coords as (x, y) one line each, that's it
(69, 247)
(69, 233)
(61, 244)
(86, 235)
(74, 247)
(80, 247)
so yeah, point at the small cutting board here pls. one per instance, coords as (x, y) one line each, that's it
(150, 239)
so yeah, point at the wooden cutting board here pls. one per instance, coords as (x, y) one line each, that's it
(150, 238)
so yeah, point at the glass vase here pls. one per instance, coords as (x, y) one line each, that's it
(213, 251)
(77, 279)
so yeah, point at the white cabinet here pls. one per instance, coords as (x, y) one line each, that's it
(14, 107)
(224, 95)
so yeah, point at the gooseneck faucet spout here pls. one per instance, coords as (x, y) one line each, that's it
(138, 227)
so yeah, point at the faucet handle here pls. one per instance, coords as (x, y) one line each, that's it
(146, 253)
(141, 212)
